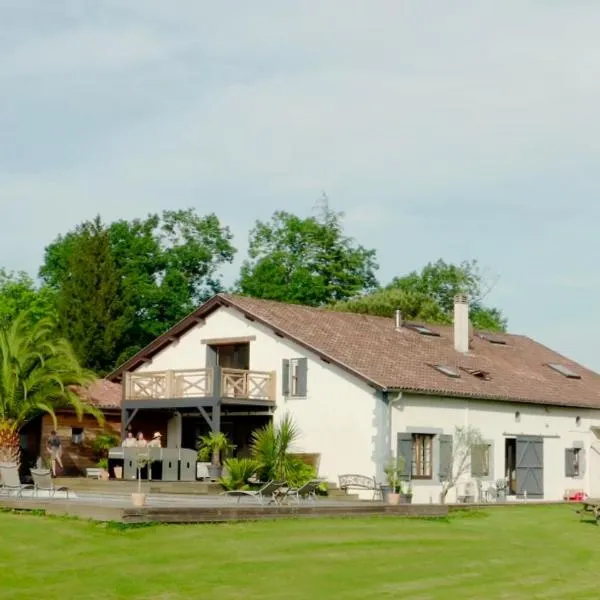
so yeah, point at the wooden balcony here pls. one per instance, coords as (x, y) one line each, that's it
(236, 384)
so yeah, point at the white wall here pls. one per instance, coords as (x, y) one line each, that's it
(341, 418)
(496, 421)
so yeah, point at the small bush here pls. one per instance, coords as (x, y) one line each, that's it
(239, 471)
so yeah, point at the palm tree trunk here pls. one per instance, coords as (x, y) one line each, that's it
(10, 444)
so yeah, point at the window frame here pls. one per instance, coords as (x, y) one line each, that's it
(420, 439)
(77, 439)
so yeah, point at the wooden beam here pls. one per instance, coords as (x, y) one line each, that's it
(228, 341)
(206, 417)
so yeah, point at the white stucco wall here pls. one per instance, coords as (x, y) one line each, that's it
(341, 418)
(497, 421)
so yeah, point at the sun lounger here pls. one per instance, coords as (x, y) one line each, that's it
(42, 481)
(268, 491)
(10, 481)
(305, 492)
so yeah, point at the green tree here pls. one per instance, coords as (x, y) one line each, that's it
(442, 281)
(306, 261)
(38, 374)
(428, 295)
(167, 264)
(19, 294)
(92, 313)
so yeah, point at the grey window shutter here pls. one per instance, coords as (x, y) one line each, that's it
(404, 451)
(569, 462)
(302, 376)
(581, 462)
(445, 457)
(285, 377)
(477, 461)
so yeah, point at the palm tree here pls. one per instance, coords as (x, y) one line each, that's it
(38, 374)
(271, 449)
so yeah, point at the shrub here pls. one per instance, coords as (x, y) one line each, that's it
(239, 471)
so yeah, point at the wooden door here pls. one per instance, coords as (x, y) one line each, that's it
(530, 466)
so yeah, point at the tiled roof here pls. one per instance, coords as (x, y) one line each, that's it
(103, 394)
(372, 349)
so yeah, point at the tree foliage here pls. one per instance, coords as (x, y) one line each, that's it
(19, 294)
(92, 312)
(428, 295)
(464, 441)
(167, 264)
(306, 261)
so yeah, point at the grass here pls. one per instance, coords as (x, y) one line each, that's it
(509, 553)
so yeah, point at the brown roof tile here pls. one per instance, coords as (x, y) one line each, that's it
(103, 394)
(371, 348)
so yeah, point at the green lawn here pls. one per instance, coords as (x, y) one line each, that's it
(516, 552)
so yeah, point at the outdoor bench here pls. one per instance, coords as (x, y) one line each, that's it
(360, 482)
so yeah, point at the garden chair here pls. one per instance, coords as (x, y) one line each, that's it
(10, 481)
(269, 491)
(42, 480)
(305, 492)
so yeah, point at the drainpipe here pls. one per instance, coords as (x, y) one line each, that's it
(392, 402)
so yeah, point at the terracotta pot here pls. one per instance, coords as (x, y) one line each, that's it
(393, 498)
(138, 499)
(104, 475)
(118, 472)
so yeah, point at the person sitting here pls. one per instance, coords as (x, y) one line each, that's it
(155, 442)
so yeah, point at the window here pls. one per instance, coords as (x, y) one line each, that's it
(449, 371)
(480, 460)
(563, 370)
(573, 462)
(422, 330)
(294, 375)
(492, 339)
(422, 445)
(77, 435)
(479, 373)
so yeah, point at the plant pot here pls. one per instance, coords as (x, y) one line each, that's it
(118, 472)
(393, 498)
(405, 498)
(104, 475)
(138, 498)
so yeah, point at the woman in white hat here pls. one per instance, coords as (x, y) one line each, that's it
(155, 442)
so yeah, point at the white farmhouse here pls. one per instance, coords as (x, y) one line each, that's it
(361, 388)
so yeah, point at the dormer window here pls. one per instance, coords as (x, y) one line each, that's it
(563, 370)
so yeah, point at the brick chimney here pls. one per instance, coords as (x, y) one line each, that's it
(461, 323)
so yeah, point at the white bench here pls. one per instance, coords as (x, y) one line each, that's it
(93, 472)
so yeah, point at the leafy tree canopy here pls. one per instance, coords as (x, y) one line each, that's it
(306, 261)
(167, 265)
(428, 295)
(92, 313)
(19, 294)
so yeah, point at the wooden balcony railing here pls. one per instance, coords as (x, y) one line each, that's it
(200, 383)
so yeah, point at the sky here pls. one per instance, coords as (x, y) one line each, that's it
(460, 130)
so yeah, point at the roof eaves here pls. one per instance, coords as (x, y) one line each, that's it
(473, 395)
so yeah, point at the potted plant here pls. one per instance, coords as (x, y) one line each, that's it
(406, 494)
(215, 447)
(393, 471)
(139, 498)
(103, 466)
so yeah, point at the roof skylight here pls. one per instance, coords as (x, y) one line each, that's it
(492, 339)
(563, 370)
(423, 330)
(449, 371)
(479, 373)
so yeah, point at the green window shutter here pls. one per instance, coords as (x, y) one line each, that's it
(569, 462)
(285, 377)
(302, 377)
(478, 453)
(404, 450)
(445, 457)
